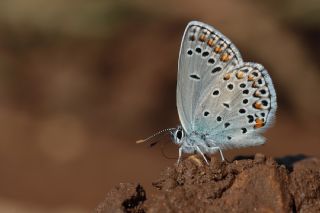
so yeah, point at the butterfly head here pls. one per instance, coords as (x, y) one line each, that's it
(178, 135)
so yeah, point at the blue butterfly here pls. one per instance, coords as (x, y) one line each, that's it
(222, 102)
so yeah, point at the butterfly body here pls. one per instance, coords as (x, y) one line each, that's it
(222, 102)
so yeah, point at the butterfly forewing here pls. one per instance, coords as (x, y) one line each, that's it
(205, 54)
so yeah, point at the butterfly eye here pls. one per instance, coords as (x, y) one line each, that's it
(178, 136)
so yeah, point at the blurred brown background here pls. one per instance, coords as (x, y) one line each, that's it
(80, 81)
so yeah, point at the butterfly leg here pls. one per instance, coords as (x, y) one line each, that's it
(222, 157)
(212, 149)
(180, 153)
(204, 157)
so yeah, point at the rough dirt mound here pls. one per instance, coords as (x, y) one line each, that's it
(246, 185)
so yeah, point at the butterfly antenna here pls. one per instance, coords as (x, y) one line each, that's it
(156, 136)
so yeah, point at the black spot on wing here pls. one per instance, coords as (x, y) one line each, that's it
(195, 77)
(263, 92)
(216, 69)
(244, 130)
(226, 105)
(230, 86)
(205, 54)
(246, 91)
(242, 111)
(216, 92)
(211, 61)
(250, 118)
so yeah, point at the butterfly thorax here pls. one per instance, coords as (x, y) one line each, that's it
(191, 142)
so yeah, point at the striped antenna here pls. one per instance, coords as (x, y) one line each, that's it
(156, 135)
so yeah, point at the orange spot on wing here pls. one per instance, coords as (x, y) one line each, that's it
(217, 49)
(259, 123)
(227, 76)
(202, 37)
(240, 75)
(225, 57)
(257, 105)
(251, 77)
(210, 42)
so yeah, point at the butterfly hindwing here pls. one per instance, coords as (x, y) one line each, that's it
(237, 107)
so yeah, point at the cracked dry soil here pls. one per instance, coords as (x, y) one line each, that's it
(247, 185)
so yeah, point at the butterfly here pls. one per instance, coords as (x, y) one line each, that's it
(223, 102)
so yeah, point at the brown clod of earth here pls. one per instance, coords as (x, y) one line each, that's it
(305, 185)
(247, 185)
(126, 197)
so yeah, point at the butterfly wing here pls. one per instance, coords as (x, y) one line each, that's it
(204, 54)
(218, 95)
(238, 106)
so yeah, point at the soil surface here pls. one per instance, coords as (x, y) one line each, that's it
(257, 184)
